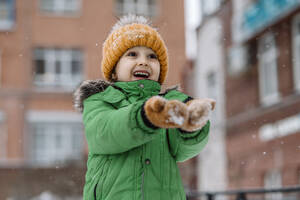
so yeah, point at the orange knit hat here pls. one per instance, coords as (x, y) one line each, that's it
(128, 32)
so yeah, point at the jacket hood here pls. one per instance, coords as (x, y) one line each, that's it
(89, 87)
(86, 89)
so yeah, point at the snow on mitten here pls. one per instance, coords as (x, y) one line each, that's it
(165, 114)
(198, 114)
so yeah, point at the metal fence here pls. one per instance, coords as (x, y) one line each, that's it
(284, 193)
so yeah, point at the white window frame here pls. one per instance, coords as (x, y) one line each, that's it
(65, 79)
(211, 6)
(61, 7)
(273, 179)
(268, 72)
(139, 7)
(53, 153)
(296, 52)
(213, 90)
(9, 22)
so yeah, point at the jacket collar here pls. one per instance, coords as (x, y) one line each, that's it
(89, 87)
(143, 88)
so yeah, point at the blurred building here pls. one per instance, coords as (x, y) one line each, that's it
(47, 47)
(204, 78)
(263, 94)
(209, 83)
(258, 57)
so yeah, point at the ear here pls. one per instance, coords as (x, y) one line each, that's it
(114, 77)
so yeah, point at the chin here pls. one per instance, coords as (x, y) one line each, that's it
(137, 79)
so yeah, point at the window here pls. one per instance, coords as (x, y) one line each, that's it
(298, 173)
(7, 14)
(237, 23)
(139, 7)
(58, 68)
(210, 6)
(3, 137)
(238, 60)
(268, 84)
(51, 196)
(55, 137)
(60, 6)
(296, 51)
(212, 89)
(272, 179)
(0, 67)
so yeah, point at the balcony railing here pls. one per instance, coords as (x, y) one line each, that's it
(249, 194)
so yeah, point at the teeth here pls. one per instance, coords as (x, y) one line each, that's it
(141, 74)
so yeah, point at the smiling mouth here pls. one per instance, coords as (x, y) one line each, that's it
(141, 74)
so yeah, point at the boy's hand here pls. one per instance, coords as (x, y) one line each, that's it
(166, 114)
(198, 113)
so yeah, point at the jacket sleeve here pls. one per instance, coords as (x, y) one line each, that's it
(110, 130)
(184, 146)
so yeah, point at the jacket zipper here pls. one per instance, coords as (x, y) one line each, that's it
(95, 191)
(143, 174)
(102, 178)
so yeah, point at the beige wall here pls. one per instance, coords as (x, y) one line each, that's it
(86, 31)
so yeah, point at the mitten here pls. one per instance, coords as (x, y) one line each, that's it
(165, 114)
(198, 113)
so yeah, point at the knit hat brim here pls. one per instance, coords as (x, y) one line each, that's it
(131, 35)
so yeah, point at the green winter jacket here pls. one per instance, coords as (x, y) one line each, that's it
(129, 158)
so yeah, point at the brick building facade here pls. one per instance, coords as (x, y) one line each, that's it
(262, 94)
(47, 47)
(260, 46)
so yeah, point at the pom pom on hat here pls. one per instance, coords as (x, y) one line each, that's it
(128, 32)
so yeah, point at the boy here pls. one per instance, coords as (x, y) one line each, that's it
(135, 134)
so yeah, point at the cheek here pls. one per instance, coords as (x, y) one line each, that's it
(123, 69)
(157, 69)
(123, 74)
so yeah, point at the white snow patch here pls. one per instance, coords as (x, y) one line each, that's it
(175, 117)
(131, 35)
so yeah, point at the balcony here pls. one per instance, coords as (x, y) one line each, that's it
(264, 13)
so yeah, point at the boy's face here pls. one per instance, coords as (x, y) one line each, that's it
(138, 63)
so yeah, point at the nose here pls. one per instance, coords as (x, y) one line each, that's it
(142, 61)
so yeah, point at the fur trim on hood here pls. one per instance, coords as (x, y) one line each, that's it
(89, 87)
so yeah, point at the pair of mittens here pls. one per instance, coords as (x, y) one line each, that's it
(198, 113)
(175, 114)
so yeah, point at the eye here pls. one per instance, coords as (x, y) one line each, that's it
(132, 53)
(153, 56)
